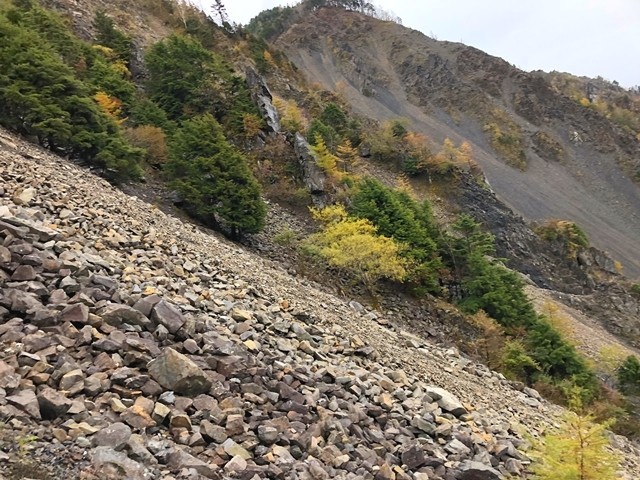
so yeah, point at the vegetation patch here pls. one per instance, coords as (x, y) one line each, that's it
(568, 234)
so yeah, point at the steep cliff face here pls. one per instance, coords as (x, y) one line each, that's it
(564, 160)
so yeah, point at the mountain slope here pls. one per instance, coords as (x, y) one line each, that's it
(282, 355)
(449, 90)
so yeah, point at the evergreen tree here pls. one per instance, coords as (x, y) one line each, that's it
(325, 159)
(629, 375)
(396, 215)
(213, 178)
(326, 132)
(333, 116)
(348, 156)
(180, 70)
(40, 97)
(109, 36)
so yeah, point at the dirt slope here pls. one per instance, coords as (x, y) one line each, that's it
(448, 90)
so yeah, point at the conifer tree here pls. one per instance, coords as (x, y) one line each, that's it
(214, 179)
(325, 159)
(578, 451)
(348, 156)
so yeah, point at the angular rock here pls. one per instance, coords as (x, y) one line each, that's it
(414, 457)
(176, 372)
(113, 464)
(114, 436)
(26, 401)
(477, 471)
(446, 401)
(179, 459)
(76, 313)
(168, 315)
(236, 465)
(52, 403)
(9, 379)
(117, 314)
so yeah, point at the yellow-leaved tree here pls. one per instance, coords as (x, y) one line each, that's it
(292, 119)
(579, 450)
(352, 244)
(348, 156)
(111, 106)
(325, 159)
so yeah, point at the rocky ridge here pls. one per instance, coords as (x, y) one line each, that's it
(138, 346)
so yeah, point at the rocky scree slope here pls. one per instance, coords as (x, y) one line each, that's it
(574, 155)
(137, 346)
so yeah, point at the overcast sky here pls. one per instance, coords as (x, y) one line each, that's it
(583, 37)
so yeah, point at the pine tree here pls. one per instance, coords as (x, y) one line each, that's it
(40, 96)
(325, 159)
(214, 178)
(182, 77)
(108, 35)
(629, 375)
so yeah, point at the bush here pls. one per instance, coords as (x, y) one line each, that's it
(569, 234)
(354, 245)
(629, 375)
(151, 139)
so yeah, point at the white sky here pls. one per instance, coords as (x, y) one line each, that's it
(583, 37)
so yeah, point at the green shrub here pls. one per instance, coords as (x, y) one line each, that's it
(629, 375)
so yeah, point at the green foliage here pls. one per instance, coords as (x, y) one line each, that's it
(213, 178)
(53, 30)
(271, 22)
(490, 287)
(334, 116)
(110, 77)
(40, 96)
(396, 215)
(285, 237)
(180, 68)
(578, 451)
(146, 112)
(517, 363)
(569, 234)
(328, 135)
(109, 36)
(635, 288)
(506, 138)
(185, 79)
(629, 375)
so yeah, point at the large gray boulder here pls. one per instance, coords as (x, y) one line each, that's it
(264, 100)
(446, 401)
(176, 372)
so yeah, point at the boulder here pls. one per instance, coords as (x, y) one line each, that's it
(176, 372)
(113, 464)
(117, 314)
(446, 401)
(477, 471)
(168, 315)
